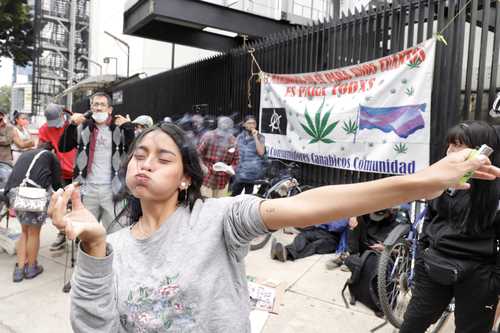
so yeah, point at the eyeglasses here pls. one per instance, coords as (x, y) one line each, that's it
(96, 105)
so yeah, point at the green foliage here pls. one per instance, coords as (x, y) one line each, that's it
(401, 148)
(350, 127)
(319, 129)
(16, 31)
(409, 91)
(414, 63)
(5, 93)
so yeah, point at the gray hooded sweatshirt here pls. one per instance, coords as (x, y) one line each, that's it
(189, 276)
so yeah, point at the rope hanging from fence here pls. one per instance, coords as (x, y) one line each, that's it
(253, 73)
(439, 34)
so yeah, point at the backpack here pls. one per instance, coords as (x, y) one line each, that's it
(363, 282)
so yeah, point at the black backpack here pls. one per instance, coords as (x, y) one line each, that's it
(363, 282)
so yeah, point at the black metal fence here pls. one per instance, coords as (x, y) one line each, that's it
(465, 78)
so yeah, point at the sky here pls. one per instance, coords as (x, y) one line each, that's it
(5, 71)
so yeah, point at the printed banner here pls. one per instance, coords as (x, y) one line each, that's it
(372, 117)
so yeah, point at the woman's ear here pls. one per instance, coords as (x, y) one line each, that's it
(185, 183)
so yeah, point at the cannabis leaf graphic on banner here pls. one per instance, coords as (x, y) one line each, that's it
(400, 148)
(350, 127)
(320, 128)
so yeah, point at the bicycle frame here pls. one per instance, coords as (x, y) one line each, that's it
(412, 230)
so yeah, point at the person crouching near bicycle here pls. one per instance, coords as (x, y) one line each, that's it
(366, 232)
(179, 266)
(252, 151)
(44, 172)
(458, 255)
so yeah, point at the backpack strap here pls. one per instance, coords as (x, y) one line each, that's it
(27, 179)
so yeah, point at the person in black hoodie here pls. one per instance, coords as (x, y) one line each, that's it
(45, 173)
(458, 251)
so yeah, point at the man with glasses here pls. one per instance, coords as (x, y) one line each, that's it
(101, 142)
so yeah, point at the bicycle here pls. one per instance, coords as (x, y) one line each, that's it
(396, 271)
(281, 183)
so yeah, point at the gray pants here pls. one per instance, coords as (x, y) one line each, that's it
(98, 199)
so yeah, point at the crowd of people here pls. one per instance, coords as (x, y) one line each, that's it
(163, 228)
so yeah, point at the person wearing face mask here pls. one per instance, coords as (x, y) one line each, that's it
(252, 150)
(215, 146)
(6, 136)
(21, 139)
(141, 123)
(101, 142)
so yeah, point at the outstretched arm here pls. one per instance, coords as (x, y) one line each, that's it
(329, 203)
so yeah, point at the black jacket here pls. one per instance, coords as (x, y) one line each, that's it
(442, 231)
(46, 171)
(72, 138)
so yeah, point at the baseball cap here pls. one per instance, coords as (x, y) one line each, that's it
(143, 120)
(53, 114)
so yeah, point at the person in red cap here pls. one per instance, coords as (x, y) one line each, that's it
(51, 131)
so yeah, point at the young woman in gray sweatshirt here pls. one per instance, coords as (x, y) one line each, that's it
(179, 267)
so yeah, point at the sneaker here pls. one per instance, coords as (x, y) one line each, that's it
(59, 243)
(18, 274)
(33, 271)
(344, 268)
(336, 261)
(278, 251)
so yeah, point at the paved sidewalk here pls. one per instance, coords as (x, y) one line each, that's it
(312, 302)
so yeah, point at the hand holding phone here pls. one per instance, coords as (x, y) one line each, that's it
(483, 150)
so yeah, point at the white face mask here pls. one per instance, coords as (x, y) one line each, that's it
(100, 117)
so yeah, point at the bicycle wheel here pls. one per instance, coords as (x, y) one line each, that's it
(393, 281)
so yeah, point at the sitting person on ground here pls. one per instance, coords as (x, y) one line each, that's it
(366, 232)
(45, 173)
(321, 239)
(180, 264)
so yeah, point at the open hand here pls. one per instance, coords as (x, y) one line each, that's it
(79, 222)
(379, 247)
(120, 120)
(447, 172)
(78, 118)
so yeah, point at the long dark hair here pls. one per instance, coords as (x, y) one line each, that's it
(191, 166)
(484, 194)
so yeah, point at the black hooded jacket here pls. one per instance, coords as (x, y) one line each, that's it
(442, 230)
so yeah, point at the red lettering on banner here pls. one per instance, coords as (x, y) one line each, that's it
(290, 91)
